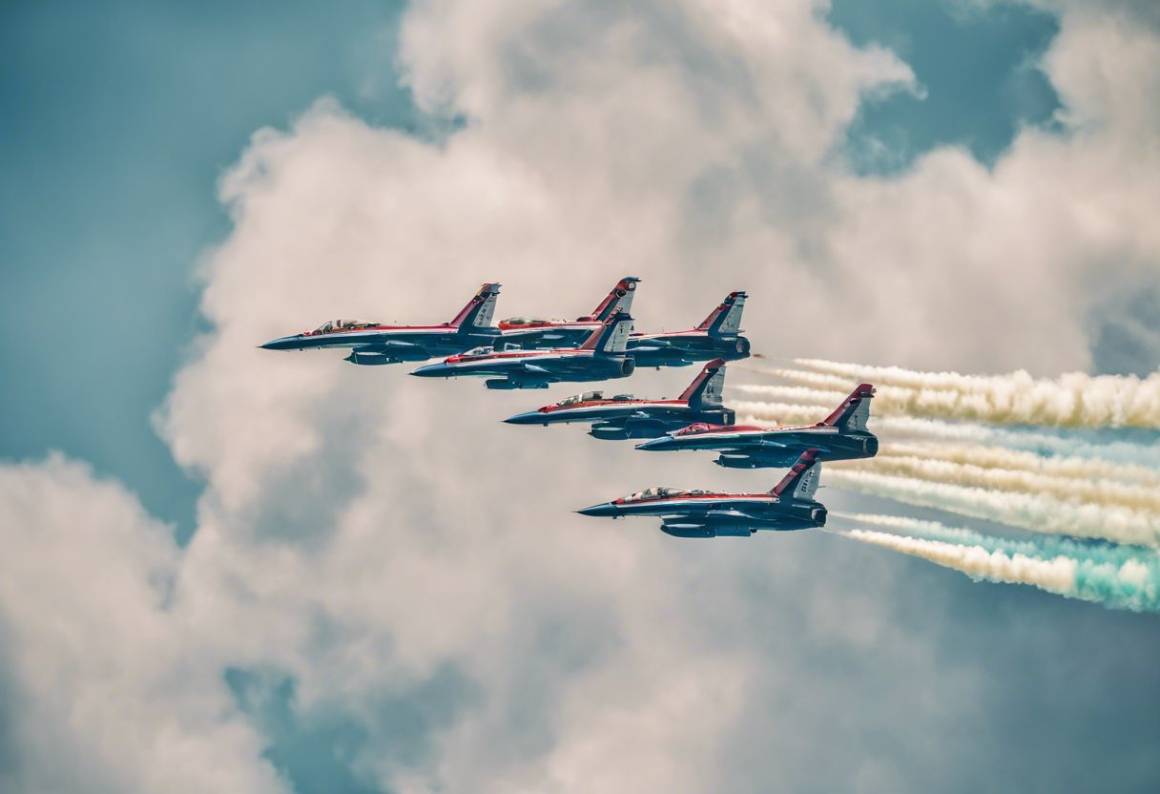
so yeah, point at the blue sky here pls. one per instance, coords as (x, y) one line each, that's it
(117, 123)
(112, 155)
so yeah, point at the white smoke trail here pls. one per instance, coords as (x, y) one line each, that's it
(1002, 458)
(776, 414)
(815, 380)
(1035, 512)
(1066, 489)
(1132, 585)
(1042, 546)
(1072, 400)
(1137, 458)
(1129, 452)
(795, 394)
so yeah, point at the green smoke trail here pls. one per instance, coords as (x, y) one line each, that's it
(1116, 576)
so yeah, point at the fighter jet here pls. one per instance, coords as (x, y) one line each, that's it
(718, 336)
(624, 416)
(707, 514)
(601, 357)
(840, 436)
(374, 343)
(538, 334)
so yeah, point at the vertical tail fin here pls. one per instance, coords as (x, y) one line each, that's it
(618, 300)
(725, 320)
(612, 336)
(851, 416)
(478, 311)
(707, 386)
(801, 482)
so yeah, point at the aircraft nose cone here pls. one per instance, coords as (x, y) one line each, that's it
(525, 418)
(281, 343)
(431, 371)
(654, 444)
(602, 510)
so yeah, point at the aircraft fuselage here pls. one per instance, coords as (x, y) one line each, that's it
(618, 419)
(749, 447)
(531, 369)
(682, 348)
(695, 514)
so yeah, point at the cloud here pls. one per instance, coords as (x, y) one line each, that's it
(103, 672)
(361, 531)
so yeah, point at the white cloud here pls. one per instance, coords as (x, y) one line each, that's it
(113, 695)
(362, 529)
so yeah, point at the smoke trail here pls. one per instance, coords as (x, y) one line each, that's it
(796, 394)
(776, 414)
(816, 380)
(1044, 546)
(1035, 512)
(1041, 443)
(1133, 585)
(1092, 491)
(1001, 458)
(1072, 400)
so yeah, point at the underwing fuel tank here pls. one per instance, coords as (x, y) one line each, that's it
(508, 384)
(372, 357)
(702, 531)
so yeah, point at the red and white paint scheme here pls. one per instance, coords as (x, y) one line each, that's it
(788, 505)
(535, 333)
(843, 435)
(718, 336)
(624, 416)
(376, 343)
(601, 357)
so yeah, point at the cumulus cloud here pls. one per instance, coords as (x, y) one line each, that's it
(361, 530)
(111, 694)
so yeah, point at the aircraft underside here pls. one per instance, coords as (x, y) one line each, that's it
(845, 448)
(682, 352)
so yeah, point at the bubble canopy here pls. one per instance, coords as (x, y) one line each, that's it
(338, 326)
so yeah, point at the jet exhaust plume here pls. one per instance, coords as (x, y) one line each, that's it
(1035, 512)
(1134, 585)
(1072, 400)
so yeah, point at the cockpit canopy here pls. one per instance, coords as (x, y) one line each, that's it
(581, 398)
(698, 427)
(337, 326)
(590, 396)
(532, 321)
(482, 350)
(661, 493)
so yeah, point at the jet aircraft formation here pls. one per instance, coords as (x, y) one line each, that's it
(531, 353)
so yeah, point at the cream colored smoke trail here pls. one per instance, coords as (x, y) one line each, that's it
(1072, 400)
(1131, 585)
(1065, 489)
(801, 395)
(1016, 460)
(1042, 546)
(905, 427)
(776, 414)
(1036, 512)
